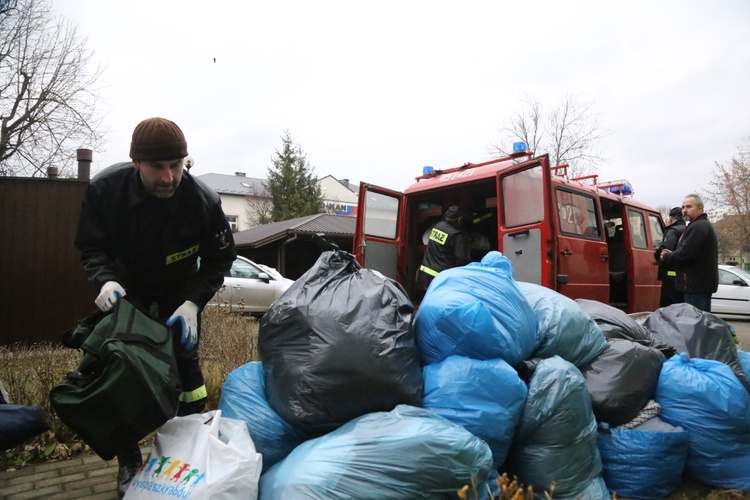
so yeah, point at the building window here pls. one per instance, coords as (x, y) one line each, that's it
(232, 219)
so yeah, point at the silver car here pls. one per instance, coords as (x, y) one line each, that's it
(732, 299)
(250, 288)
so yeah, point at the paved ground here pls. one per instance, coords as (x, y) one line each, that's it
(86, 476)
(90, 477)
(742, 329)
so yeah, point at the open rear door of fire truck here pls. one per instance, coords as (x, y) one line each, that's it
(376, 238)
(525, 222)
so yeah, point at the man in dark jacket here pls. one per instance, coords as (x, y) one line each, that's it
(696, 257)
(143, 227)
(668, 272)
(446, 248)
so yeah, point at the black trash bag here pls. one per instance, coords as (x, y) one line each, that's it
(621, 380)
(19, 423)
(339, 344)
(698, 333)
(616, 324)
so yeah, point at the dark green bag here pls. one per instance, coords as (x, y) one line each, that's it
(126, 385)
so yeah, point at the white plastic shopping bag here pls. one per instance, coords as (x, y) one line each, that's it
(203, 456)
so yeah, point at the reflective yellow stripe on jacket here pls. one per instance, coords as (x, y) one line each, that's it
(194, 395)
(429, 271)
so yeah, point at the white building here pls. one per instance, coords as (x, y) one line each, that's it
(234, 190)
(339, 196)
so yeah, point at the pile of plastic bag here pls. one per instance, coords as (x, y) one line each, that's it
(335, 405)
(357, 397)
(698, 422)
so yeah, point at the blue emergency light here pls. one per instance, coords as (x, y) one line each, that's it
(427, 170)
(620, 187)
(519, 147)
(623, 189)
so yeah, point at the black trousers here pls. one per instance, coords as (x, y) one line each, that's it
(669, 294)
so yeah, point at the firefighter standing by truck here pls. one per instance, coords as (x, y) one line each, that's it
(667, 272)
(446, 248)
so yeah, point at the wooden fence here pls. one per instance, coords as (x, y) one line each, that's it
(43, 289)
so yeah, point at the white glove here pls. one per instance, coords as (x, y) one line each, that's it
(109, 294)
(187, 315)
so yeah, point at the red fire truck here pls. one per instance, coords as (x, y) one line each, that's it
(582, 238)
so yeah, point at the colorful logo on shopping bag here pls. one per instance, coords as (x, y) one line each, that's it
(168, 477)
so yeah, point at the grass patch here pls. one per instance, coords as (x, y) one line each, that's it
(29, 372)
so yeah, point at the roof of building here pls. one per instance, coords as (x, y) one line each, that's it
(344, 182)
(240, 184)
(233, 184)
(331, 225)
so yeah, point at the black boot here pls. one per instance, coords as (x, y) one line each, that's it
(185, 409)
(129, 463)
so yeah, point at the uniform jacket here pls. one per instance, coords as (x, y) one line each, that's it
(696, 258)
(152, 246)
(671, 238)
(446, 248)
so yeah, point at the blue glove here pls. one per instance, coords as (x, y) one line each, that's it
(187, 317)
(109, 294)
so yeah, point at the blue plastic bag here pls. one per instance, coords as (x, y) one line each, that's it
(406, 453)
(641, 463)
(243, 397)
(744, 360)
(563, 328)
(486, 397)
(556, 437)
(476, 311)
(706, 398)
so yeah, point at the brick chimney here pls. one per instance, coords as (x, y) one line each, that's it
(84, 157)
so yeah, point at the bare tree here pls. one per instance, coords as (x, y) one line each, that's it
(730, 236)
(664, 210)
(730, 191)
(259, 206)
(47, 95)
(569, 133)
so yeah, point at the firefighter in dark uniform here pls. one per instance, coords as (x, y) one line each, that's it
(667, 272)
(446, 248)
(143, 227)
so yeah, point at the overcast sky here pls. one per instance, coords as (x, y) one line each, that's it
(374, 91)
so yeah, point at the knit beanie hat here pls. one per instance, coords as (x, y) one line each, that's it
(453, 215)
(676, 212)
(158, 139)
